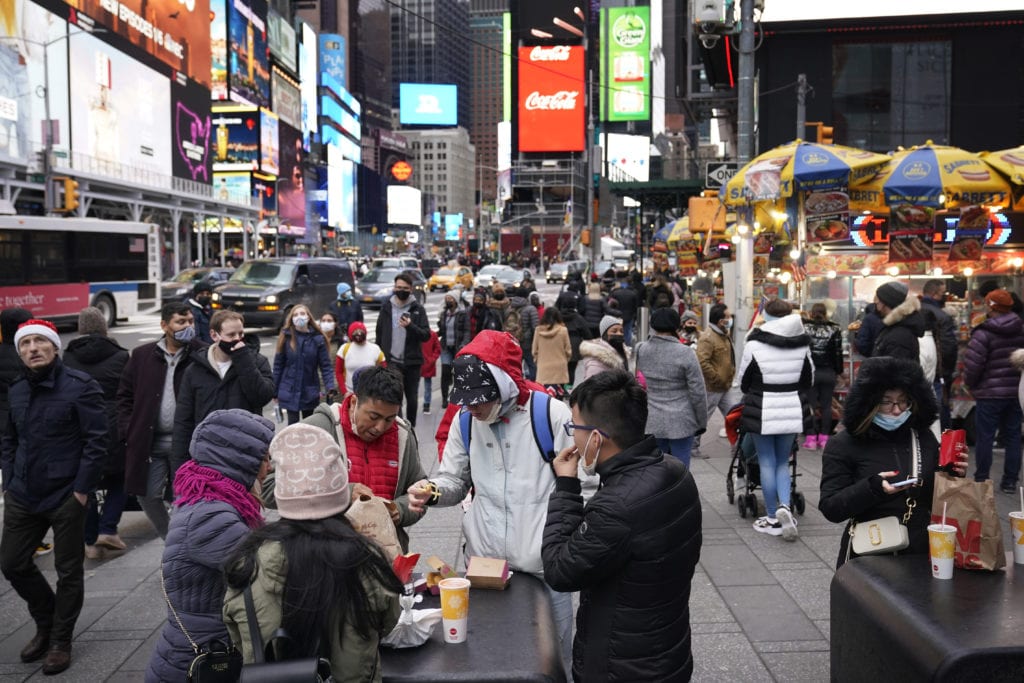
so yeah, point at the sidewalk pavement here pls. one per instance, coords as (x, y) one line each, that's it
(759, 606)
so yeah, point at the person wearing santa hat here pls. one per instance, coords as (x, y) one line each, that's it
(52, 456)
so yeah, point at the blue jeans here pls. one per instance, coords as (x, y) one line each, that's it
(678, 447)
(991, 414)
(773, 459)
(627, 331)
(529, 363)
(427, 387)
(105, 522)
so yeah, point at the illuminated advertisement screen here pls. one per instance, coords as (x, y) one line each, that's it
(248, 55)
(308, 72)
(551, 99)
(404, 205)
(281, 38)
(625, 64)
(218, 49)
(629, 153)
(122, 108)
(348, 198)
(190, 116)
(332, 57)
(177, 32)
(428, 104)
(236, 134)
(540, 14)
(22, 112)
(334, 189)
(269, 156)
(233, 187)
(291, 188)
(453, 226)
(286, 98)
(263, 187)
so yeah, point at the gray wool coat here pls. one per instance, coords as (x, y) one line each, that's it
(676, 397)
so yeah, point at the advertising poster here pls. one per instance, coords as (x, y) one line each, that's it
(281, 37)
(551, 99)
(263, 186)
(971, 233)
(763, 179)
(248, 55)
(218, 49)
(538, 14)
(46, 300)
(308, 77)
(332, 57)
(428, 104)
(193, 132)
(291, 187)
(236, 133)
(269, 150)
(287, 101)
(22, 112)
(233, 187)
(625, 64)
(908, 246)
(828, 216)
(122, 108)
(177, 32)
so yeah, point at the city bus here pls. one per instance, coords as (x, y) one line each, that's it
(54, 267)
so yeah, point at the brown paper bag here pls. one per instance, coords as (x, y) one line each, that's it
(971, 508)
(370, 517)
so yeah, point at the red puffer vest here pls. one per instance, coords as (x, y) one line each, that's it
(375, 464)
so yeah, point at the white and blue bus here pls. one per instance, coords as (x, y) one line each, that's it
(54, 267)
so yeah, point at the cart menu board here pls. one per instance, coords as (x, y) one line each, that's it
(971, 233)
(911, 237)
(827, 216)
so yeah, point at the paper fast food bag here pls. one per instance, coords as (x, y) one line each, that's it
(370, 517)
(971, 508)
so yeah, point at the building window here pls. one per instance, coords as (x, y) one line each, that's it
(889, 94)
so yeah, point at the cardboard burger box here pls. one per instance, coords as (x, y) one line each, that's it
(487, 572)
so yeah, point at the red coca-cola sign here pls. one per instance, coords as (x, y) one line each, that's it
(552, 96)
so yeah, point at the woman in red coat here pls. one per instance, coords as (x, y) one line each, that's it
(431, 352)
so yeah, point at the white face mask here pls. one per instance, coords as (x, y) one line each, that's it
(591, 469)
(726, 323)
(327, 326)
(300, 321)
(495, 413)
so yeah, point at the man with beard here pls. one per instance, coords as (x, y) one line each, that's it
(52, 456)
(402, 327)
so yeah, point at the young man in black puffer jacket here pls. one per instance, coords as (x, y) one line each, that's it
(632, 550)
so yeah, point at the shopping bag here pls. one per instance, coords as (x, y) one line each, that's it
(370, 517)
(971, 508)
(953, 441)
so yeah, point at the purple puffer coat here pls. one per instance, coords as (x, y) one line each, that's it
(988, 372)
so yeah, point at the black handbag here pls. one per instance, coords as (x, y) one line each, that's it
(215, 661)
(271, 663)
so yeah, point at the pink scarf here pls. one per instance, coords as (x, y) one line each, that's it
(194, 483)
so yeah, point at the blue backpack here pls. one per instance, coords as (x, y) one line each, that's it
(540, 414)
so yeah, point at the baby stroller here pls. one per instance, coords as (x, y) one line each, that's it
(744, 466)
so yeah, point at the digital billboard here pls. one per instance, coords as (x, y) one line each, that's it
(122, 108)
(233, 187)
(332, 57)
(177, 32)
(551, 99)
(629, 153)
(286, 98)
(541, 15)
(404, 205)
(453, 226)
(348, 198)
(308, 77)
(281, 39)
(625, 64)
(236, 137)
(22, 112)
(190, 118)
(291, 186)
(248, 55)
(334, 189)
(428, 104)
(269, 156)
(218, 49)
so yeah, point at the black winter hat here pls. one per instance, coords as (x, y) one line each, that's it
(10, 320)
(892, 294)
(665, 320)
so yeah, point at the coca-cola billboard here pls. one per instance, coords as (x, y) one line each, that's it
(552, 96)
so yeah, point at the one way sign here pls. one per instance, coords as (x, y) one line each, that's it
(718, 172)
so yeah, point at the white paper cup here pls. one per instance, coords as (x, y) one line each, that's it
(454, 609)
(1017, 533)
(942, 548)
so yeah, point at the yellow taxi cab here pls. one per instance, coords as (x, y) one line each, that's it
(447, 277)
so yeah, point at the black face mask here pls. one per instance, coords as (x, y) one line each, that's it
(689, 330)
(616, 340)
(226, 346)
(358, 338)
(450, 305)
(402, 294)
(204, 300)
(498, 297)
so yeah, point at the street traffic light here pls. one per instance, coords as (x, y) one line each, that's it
(70, 195)
(825, 135)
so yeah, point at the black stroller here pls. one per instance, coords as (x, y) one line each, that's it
(744, 466)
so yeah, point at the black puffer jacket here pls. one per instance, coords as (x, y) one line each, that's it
(901, 329)
(856, 455)
(11, 366)
(103, 359)
(826, 344)
(631, 553)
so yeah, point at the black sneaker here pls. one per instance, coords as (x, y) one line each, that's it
(426, 410)
(1008, 487)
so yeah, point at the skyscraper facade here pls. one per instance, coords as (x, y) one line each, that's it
(485, 25)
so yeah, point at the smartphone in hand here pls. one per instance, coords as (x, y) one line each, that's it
(904, 483)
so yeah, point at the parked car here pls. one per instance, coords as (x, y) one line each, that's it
(265, 290)
(180, 286)
(445, 278)
(377, 285)
(559, 272)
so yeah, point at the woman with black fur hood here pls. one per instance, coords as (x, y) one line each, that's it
(888, 400)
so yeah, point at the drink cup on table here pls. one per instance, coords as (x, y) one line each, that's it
(942, 547)
(454, 609)
(1017, 532)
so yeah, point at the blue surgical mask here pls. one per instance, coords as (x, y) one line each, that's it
(185, 335)
(726, 323)
(891, 423)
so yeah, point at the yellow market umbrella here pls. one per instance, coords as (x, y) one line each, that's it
(1009, 162)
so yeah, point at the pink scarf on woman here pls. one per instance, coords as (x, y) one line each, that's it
(194, 483)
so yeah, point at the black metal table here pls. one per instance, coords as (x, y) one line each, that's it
(512, 639)
(890, 620)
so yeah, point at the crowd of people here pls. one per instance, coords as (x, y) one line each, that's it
(585, 485)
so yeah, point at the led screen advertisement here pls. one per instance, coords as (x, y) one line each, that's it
(248, 55)
(286, 99)
(625, 64)
(269, 157)
(551, 99)
(542, 15)
(177, 32)
(428, 104)
(629, 153)
(332, 57)
(193, 132)
(291, 188)
(404, 205)
(281, 38)
(218, 49)
(236, 133)
(122, 108)
(348, 197)
(308, 75)
(233, 187)
(22, 112)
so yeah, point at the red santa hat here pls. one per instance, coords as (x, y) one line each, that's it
(43, 328)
